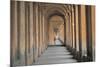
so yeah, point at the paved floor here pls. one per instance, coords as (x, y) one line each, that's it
(57, 42)
(56, 55)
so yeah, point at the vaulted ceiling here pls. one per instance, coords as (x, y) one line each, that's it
(56, 22)
(56, 13)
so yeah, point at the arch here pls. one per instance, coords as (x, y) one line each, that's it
(57, 12)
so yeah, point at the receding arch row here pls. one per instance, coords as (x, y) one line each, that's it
(29, 30)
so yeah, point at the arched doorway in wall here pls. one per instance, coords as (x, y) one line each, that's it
(56, 29)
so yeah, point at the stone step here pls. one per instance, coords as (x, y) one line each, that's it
(55, 55)
(56, 61)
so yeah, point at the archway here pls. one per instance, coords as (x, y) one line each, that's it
(56, 29)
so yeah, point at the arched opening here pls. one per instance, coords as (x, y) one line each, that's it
(56, 29)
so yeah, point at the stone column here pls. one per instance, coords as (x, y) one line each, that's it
(73, 30)
(77, 28)
(74, 27)
(70, 31)
(45, 31)
(30, 32)
(14, 33)
(93, 30)
(26, 33)
(90, 29)
(40, 30)
(37, 43)
(83, 30)
(22, 32)
(43, 18)
(66, 22)
(34, 31)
